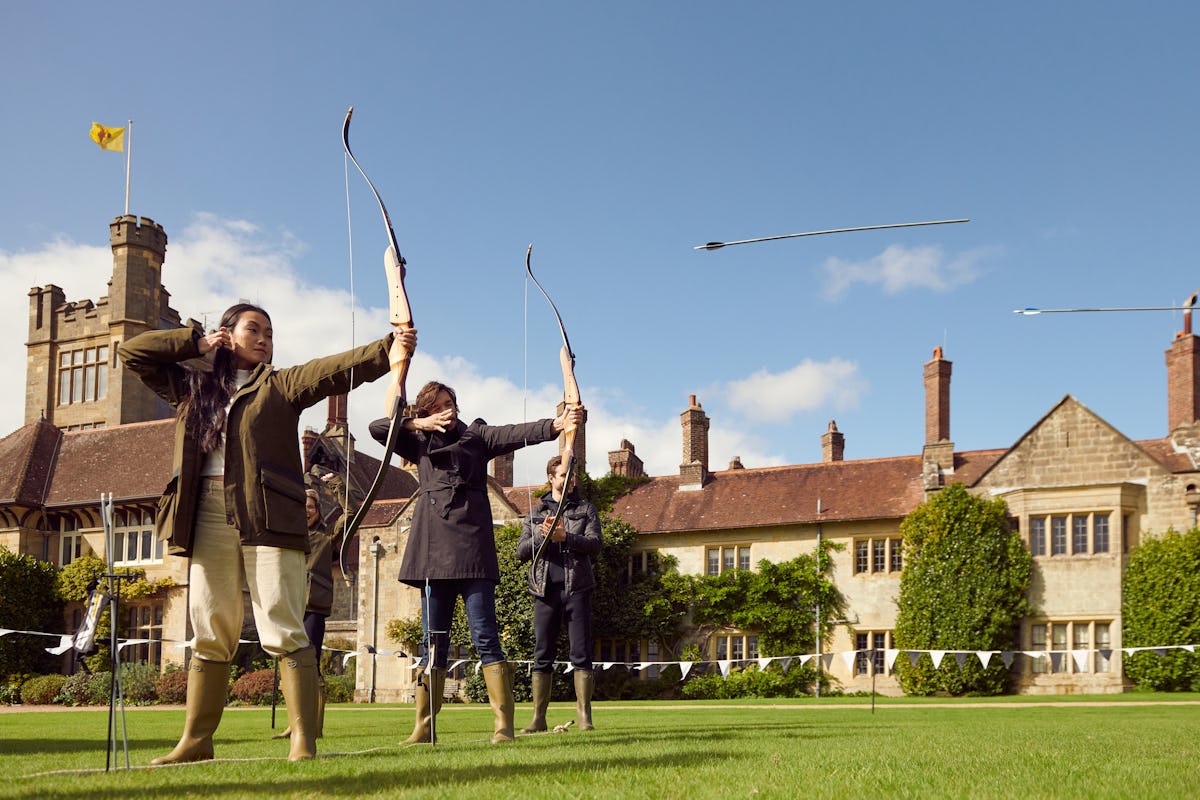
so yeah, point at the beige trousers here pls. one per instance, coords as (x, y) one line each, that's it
(221, 566)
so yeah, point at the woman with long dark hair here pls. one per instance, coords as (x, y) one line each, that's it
(235, 505)
(451, 549)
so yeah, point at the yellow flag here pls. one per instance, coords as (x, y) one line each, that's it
(108, 138)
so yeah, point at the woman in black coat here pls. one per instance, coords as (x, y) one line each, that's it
(451, 549)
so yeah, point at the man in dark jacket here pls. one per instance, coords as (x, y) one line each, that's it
(451, 548)
(561, 583)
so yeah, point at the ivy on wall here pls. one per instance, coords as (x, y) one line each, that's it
(962, 588)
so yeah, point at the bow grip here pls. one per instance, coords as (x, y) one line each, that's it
(393, 265)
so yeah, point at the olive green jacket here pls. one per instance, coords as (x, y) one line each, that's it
(264, 478)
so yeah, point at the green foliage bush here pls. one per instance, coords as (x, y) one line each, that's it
(962, 588)
(27, 603)
(255, 688)
(10, 689)
(171, 687)
(139, 683)
(99, 688)
(42, 690)
(750, 681)
(76, 689)
(339, 688)
(1161, 606)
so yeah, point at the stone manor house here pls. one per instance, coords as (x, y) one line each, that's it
(1079, 491)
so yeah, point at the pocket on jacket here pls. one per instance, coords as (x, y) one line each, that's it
(283, 501)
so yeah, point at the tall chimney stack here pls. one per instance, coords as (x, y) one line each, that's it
(833, 443)
(938, 453)
(693, 472)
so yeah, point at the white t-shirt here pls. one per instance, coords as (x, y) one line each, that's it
(214, 462)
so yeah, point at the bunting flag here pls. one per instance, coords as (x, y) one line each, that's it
(724, 667)
(1081, 659)
(1008, 657)
(685, 667)
(763, 663)
(937, 656)
(985, 657)
(889, 658)
(960, 658)
(64, 644)
(108, 138)
(913, 657)
(849, 657)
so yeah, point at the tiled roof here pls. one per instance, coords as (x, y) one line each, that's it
(1163, 451)
(131, 461)
(884, 488)
(26, 458)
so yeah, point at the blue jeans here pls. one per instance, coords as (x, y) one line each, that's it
(437, 610)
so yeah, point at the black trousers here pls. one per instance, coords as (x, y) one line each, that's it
(550, 614)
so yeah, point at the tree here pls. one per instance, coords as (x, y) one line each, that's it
(962, 588)
(27, 603)
(1161, 606)
(778, 602)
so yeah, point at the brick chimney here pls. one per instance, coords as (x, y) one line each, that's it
(693, 472)
(307, 440)
(938, 454)
(501, 468)
(624, 462)
(1183, 375)
(736, 463)
(833, 443)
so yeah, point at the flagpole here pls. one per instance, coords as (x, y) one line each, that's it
(128, 161)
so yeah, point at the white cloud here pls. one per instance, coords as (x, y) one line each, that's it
(899, 268)
(774, 397)
(212, 263)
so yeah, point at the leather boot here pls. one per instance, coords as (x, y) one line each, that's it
(542, 681)
(298, 680)
(206, 690)
(429, 703)
(584, 684)
(499, 679)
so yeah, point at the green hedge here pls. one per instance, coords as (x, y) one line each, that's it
(1161, 606)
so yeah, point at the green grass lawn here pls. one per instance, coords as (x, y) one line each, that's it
(1005, 747)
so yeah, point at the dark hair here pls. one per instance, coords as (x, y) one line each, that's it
(552, 465)
(208, 392)
(428, 394)
(316, 496)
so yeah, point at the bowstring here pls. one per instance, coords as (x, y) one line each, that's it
(345, 499)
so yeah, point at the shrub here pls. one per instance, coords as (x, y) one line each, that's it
(962, 588)
(27, 603)
(42, 690)
(10, 689)
(1161, 607)
(255, 688)
(139, 682)
(75, 691)
(99, 688)
(339, 688)
(171, 687)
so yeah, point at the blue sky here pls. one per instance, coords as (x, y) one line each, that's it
(615, 137)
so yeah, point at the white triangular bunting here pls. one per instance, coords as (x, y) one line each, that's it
(1081, 658)
(985, 657)
(65, 642)
(889, 658)
(763, 663)
(724, 667)
(937, 656)
(807, 657)
(685, 667)
(849, 656)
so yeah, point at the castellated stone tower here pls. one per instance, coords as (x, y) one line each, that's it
(73, 377)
